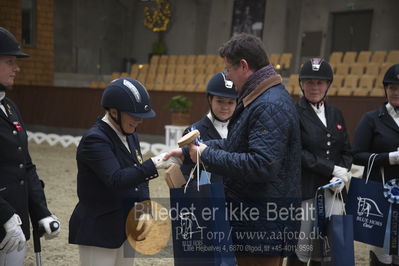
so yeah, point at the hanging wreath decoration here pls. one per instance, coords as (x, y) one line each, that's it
(157, 18)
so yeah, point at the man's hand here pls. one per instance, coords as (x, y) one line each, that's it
(14, 238)
(51, 225)
(194, 148)
(145, 223)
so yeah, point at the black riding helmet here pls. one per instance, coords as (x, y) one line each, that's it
(316, 68)
(9, 45)
(218, 85)
(127, 95)
(391, 76)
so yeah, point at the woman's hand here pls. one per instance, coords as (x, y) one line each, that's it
(178, 153)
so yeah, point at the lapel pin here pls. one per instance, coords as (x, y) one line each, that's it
(138, 156)
(9, 109)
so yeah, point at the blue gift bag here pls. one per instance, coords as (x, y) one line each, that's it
(201, 231)
(369, 208)
(340, 236)
(335, 245)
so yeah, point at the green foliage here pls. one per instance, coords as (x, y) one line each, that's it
(179, 103)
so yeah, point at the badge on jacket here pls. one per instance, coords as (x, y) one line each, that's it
(17, 126)
(138, 156)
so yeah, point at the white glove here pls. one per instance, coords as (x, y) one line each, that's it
(15, 238)
(145, 223)
(341, 172)
(161, 164)
(45, 223)
(339, 187)
(394, 157)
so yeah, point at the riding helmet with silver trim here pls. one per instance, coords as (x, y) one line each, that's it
(128, 95)
(316, 68)
(218, 85)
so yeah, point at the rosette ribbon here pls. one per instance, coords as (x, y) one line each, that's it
(391, 194)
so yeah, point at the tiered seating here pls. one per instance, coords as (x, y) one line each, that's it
(285, 60)
(342, 69)
(281, 62)
(364, 57)
(335, 59)
(180, 73)
(362, 72)
(372, 69)
(378, 57)
(174, 72)
(350, 83)
(357, 68)
(337, 84)
(349, 57)
(393, 57)
(97, 85)
(293, 84)
(274, 59)
(366, 84)
(355, 73)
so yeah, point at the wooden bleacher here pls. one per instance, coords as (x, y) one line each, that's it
(355, 73)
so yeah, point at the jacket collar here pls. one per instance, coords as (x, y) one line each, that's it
(210, 129)
(312, 116)
(112, 135)
(386, 118)
(3, 116)
(6, 105)
(261, 88)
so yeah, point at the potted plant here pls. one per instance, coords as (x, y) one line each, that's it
(179, 106)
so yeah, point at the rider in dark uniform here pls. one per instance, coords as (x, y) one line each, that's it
(21, 192)
(222, 100)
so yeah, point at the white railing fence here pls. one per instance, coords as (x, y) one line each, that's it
(67, 140)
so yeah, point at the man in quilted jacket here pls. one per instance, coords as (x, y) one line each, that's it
(260, 159)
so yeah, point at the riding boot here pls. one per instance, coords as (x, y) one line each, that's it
(374, 260)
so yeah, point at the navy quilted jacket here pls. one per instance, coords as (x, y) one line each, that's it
(262, 153)
(260, 162)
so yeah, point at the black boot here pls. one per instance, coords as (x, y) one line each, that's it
(294, 261)
(374, 260)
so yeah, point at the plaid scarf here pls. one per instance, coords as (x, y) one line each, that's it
(254, 80)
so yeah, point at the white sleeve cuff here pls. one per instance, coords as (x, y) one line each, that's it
(392, 158)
